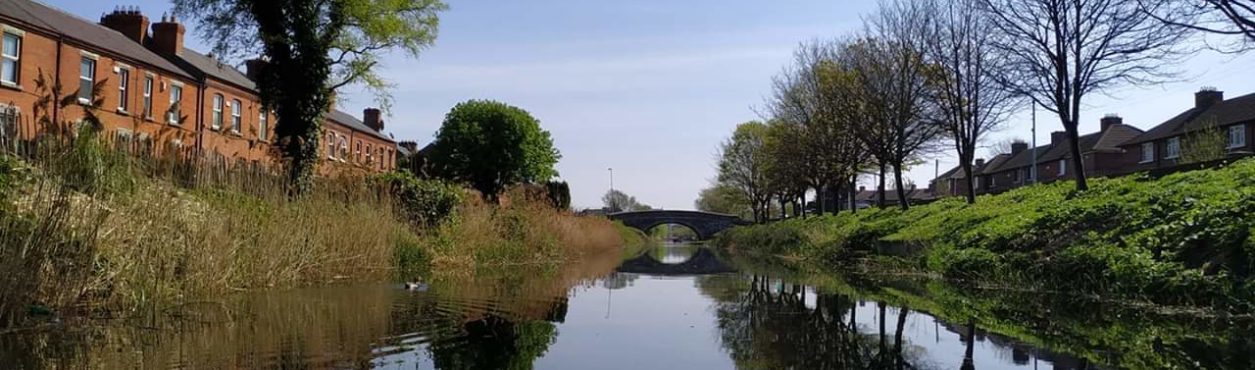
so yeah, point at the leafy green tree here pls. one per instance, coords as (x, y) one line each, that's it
(723, 198)
(786, 163)
(618, 201)
(311, 49)
(743, 165)
(492, 145)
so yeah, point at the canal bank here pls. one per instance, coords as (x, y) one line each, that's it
(1185, 239)
(590, 315)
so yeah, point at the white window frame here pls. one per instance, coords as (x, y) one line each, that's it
(215, 122)
(1237, 137)
(331, 145)
(263, 120)
(236, 121)
(1063, 166)
(147, 109)
(369, 155)
(124, 88)
(344, 148)
(87, 58)
(1148, 152)
(15, 58)
(176, 101)
(1173, 148)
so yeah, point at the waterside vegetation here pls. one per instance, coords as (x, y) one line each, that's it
(1184, 239)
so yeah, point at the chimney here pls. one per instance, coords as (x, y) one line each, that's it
(129, 21)
(1018, 146)
(1207, 96)
(409, 145)
(980, 162)
(253, 68)
(1058, 137)
(168, 36)
(370, 116)
(1111, 120)
(862, 188)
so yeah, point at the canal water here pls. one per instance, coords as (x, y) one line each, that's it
(679, 307)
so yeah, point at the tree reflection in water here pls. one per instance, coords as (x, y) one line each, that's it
(767, 324)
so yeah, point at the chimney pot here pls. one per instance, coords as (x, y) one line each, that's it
(980, 162)
(1110, 120)
(370, 116)
(168, 37)
(129, 22)
(1057, 137)
(1018, 146)
(1207, 96)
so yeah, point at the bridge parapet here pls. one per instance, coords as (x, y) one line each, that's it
(704, 224)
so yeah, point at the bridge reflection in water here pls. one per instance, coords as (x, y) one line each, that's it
(704, 224)
(702, 262)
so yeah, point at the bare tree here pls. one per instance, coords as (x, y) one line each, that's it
(965, 88)
(1005, 146)
(1224, 17)
(1060, 51)
(894, 77)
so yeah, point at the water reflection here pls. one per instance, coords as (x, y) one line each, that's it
(589, 316)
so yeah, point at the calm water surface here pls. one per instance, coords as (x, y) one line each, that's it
(674, 307)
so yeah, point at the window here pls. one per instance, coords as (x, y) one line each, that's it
(331, 145)
(344, 149)
(369, 155)
(1237, 136)
(1174, 148)
(148, 97)
(10, 59)
(86, 79)
(357, 151)
(176, 97)
(1063, 167)
(235, 116)
(122, 139)
(262, 120)
(1148, 152)
(217, 118)
(1015, 176)
(124, 86)
(8, 123)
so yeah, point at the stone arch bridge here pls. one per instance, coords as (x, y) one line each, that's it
(705, 224)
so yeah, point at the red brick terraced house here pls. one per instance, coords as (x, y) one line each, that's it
(156, 93)
(1101, 152)
(1163, 146)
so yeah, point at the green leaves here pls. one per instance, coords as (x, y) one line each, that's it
(491, 145)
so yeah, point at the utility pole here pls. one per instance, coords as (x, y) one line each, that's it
(1032, 169)
(611, 193)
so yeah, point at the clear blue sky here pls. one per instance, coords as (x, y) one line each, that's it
(650, 87)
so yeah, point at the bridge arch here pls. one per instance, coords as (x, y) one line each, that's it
(702, 262)
(705, 224)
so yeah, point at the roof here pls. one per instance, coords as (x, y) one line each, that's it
(1102, 141)
(352, 122)
(217, 69)
(1225, 112)
(48, 18)
(403, 151)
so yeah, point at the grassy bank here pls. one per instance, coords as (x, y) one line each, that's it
(86, 230)
(1186, 238)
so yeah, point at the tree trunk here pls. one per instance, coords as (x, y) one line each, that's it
(880, 187)
(819, 200)
(853, 190)
(969, 187)
(1078, 163)
(903, 201)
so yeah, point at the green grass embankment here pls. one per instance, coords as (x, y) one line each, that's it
(1187, 238)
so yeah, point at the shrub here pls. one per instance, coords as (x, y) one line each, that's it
(423, 203)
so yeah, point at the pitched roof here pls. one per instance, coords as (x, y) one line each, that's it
(354, 123)
(1102, 141)
(50, 19)
(891, 195)
(211, 67)
(1225, 112)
